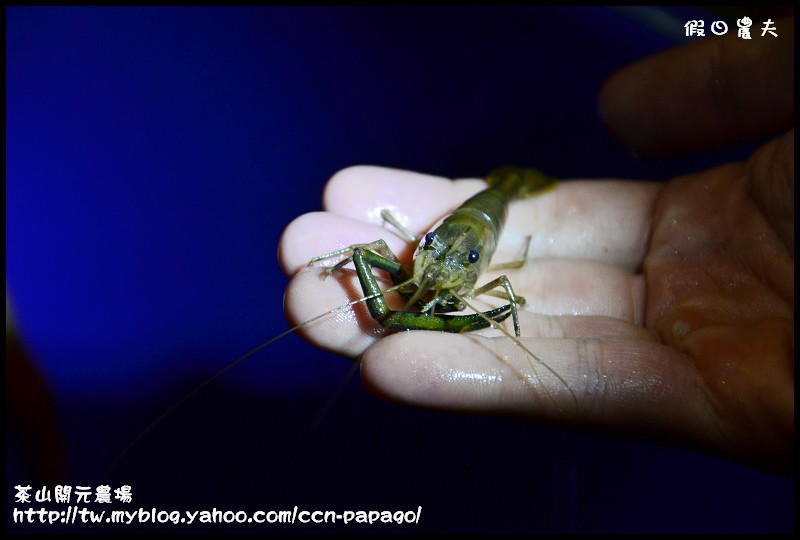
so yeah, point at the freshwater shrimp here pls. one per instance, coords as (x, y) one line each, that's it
(447, 266)
(448, 261)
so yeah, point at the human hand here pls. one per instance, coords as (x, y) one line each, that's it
(663, 311)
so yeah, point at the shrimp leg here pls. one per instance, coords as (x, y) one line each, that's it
(365, 260)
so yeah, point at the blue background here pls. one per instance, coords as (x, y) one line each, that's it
(154, 156)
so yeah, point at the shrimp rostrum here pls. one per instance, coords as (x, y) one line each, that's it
(444, 278)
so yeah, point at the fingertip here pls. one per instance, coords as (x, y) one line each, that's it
(324, 313)
(417, 200)
(293, 251)
(616, 107)
(346, 183)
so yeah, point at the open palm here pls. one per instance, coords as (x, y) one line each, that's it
(660, 310)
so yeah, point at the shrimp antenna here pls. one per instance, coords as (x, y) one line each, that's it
(202, 386)
(323, 412)
(333, 398)
(519, 344)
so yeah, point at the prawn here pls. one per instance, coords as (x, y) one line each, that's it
(448, 263)
(446, 267)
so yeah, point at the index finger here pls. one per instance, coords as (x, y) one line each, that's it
(604, 221)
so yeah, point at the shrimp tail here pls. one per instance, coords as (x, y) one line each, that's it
(520, 182)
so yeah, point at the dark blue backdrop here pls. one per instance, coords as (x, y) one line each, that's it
(154, 156)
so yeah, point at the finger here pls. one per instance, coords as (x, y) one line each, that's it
(318, 233)
(326, 314)
(605, 221)
(417, 200)
(551, 286)
(331, 320)
(579, 288)
(618, 384)
(709, 93)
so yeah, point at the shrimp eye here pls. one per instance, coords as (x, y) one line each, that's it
(429, 238)
(473, 256)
